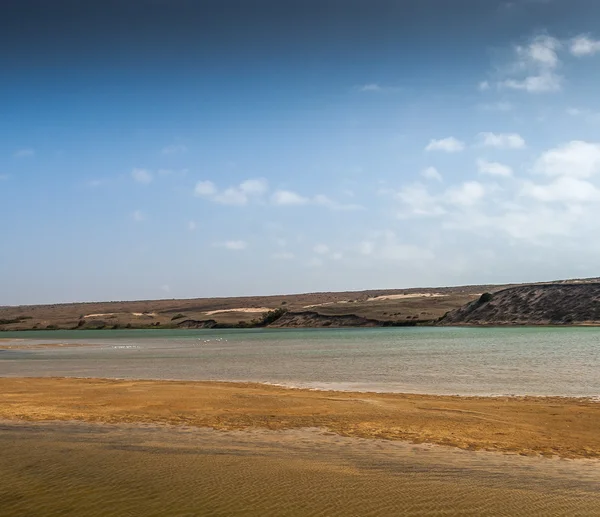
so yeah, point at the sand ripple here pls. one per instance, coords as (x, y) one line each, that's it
(93, 470)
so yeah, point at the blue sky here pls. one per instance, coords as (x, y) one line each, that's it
(154, 149)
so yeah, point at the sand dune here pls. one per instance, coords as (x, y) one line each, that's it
(404, 296)
(240, 309)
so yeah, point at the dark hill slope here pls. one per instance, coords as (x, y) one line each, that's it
(541, 304)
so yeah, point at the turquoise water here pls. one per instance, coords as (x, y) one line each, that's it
(466, 361)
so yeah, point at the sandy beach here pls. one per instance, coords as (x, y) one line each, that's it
(95, 470)
(549, 426)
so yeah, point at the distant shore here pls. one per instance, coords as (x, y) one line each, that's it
(549, 426)
(565, 302)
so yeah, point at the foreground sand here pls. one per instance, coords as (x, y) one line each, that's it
(530, 425)
(85, 469)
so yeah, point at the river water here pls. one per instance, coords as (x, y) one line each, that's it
(463, 361)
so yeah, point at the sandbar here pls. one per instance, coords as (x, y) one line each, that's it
(548, 426)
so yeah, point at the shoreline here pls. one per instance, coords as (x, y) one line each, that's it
(316, 386)
(527, 425)
(382, 324)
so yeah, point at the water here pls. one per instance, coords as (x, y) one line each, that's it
(463, 361)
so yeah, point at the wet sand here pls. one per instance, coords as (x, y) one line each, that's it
(89, 470)
(15, 345)
(562, 427)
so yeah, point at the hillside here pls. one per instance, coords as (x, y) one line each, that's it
(561, 302)
(360, 308)
(545, 304)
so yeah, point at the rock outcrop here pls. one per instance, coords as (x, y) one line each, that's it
(537, 304)
(316, 320)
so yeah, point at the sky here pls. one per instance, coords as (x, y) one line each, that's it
(176, 149)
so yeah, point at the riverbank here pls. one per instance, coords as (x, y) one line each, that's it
(549, 426)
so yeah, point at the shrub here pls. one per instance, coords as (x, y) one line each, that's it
(18, 319)
(177, 317)
(269, 317)
(484, 298)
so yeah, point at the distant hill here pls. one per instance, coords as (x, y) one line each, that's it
(536, 304)
(360, 308)
(559, 302)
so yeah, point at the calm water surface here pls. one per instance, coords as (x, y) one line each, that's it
(466, 361)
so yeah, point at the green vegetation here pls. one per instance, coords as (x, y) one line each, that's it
(268, 318)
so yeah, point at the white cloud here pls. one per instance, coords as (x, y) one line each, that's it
(232, 245)
(321, 249)
(535, 65)
(255, 189)
(532, 224)
(4, 177)
(322, 200)
(141, 176)
(583, 45)
(483, 86)
(239, 195)
(174, 149)
(24, 153)
(377, 88)
(232, 196)
(166, 288)
(205, 188)
(370, 87)
(138, 216)
(254, 186)
(449, 145)
(588, 115)
(418, 202)
(385, 245)
(542, 51)
(192, 225)
(431, 173)
(563, 202)
(502, 140)
(563, 189)
(543, 83)
(287, 197)
(467, 194)
(493, 168)
(576, 159)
